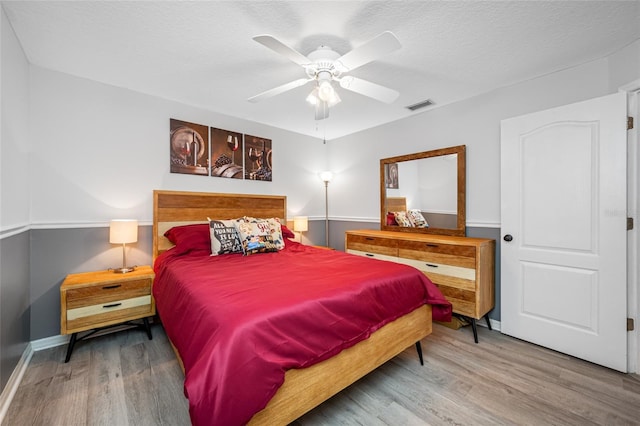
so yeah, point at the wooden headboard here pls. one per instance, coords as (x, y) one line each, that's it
(174, 208)
(396, 204)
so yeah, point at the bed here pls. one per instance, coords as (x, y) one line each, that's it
(313, 380)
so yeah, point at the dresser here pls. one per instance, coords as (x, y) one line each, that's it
(91, 301)
(463, 268)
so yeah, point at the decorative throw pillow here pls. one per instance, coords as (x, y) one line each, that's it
(417, 219)
(190, 237)
(275, 229)
(402, 219)
(391, 219)
(286, 232)
(255, 236)
(224, 237)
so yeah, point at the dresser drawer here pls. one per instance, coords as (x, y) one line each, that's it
(443, 254)
(440, 269)
(107, 292)
(372, 245)
(373, 255)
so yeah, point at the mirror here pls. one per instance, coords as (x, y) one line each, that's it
(431, 182)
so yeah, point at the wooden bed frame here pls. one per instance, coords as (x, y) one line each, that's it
(306, 388)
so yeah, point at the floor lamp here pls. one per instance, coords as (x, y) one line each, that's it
(326, 178)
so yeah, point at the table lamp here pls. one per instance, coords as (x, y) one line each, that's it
(123, 231)
(300, 224)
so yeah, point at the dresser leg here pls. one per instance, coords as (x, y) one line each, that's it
(475, 330)
(488, 321)
(72, 342)
(147, 328)
(419, 349)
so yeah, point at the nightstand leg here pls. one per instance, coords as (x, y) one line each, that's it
(147, 328)
(419, 349)
(72, 342)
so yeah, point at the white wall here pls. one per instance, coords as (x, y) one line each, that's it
(474, 122)
(99, 151)
(15, 169)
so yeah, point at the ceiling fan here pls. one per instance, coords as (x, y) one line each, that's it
(325, 66)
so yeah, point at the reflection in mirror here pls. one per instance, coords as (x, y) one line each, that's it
(424, 192)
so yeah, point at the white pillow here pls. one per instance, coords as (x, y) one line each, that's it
(417, 219)
(224, 237)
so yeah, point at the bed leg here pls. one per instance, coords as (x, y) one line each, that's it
(419, 349)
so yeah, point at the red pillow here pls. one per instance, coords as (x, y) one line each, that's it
(286, 232)
(391, 219)
(190, 237)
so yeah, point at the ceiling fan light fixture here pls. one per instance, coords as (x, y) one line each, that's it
(334, 99)
(325, 91)
(313, 97)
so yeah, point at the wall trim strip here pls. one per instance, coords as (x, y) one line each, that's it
(14, 381)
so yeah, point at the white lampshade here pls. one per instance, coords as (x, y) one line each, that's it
(326, 176)
(123, 231)
(300, 223)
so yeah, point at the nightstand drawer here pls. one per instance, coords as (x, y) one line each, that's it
(111, 306)
(108, 292)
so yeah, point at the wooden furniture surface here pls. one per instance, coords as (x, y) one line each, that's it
(463, 268)
(396, 204)
(303, 389)
(419, 158)
(99, 299)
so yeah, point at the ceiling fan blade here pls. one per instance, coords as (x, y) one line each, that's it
(367, 88)
(375, 48)
(281, 48)
(322, 110)
(280, 89)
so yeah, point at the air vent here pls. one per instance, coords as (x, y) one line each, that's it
(419, 105)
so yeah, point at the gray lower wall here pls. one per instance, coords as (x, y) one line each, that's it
(14, 302)
(58, 252)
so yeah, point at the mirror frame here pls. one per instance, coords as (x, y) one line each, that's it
(460, 230)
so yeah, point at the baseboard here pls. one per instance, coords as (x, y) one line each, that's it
(49, 342)
(10, 389)
(495, 325)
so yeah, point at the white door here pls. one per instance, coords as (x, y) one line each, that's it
(563, 208)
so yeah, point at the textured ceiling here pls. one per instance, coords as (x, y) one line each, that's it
(202, 53)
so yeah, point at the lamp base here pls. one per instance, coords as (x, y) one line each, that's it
(124, 270)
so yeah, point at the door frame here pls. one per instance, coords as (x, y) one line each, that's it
(633, 208)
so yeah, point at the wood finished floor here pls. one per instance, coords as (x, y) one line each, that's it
(125, 379)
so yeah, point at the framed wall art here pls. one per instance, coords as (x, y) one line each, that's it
(189, 148)
(226, 154)
(258, 158)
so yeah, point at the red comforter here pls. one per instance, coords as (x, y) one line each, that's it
(239, 322)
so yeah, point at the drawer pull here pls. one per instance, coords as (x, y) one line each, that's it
(368, 254)
(368, 238)
(112, 305)
(109, 287)
(432, 245)
(431, 265)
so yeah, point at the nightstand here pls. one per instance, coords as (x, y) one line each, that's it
(92, 301)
